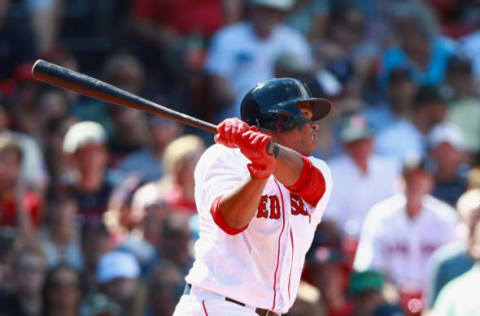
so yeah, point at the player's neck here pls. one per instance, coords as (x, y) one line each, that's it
(413, 209)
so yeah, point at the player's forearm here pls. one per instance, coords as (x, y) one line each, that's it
(240, 206)
(289, 166)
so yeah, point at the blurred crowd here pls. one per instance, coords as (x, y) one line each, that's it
(97, 210)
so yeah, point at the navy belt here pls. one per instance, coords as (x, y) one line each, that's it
(259, 311)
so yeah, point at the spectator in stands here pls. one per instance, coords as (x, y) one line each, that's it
(393, 238)
(125, 127)
(366, 292)
(127, 224)
(53, 104)
(460, 296)
(325, 269)
(34, 171)
(86, 143)
(454, 259)
(96, 242)
(166, 25)
(420, 48)
(465, 105)
(20, 207)
(345, 51)
(447, 155)
(243, 54)
(364, 177)
(59, 165)
(470, 45)
(408, 136)
(176, 242)
(176, 186)
(29, 270)
(117, 275)
(165, 289)
(148, 161)
(310, 18)
(60, 238)
(62, 291)
(397, 104)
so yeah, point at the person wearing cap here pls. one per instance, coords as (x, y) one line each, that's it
(365, 178)
(85, 142)
(365, 291)
(408, 136)
(244, 53)
(400, 233)
(446, 153)
(117, 276)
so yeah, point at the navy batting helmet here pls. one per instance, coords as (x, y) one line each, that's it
(275, 105)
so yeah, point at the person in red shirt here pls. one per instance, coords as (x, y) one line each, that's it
(19, 207)
(173, 34)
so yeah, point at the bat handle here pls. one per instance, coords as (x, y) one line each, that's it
(273, 149)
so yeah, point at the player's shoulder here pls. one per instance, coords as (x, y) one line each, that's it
(287, 31)
(232, 32)
(440, 209)
(387, 209)
(386, 166)
(321, 165)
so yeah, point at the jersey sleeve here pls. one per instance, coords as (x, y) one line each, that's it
(319, 208)
(218, 171)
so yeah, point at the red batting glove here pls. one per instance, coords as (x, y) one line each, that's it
(253, 145)
(229, 132)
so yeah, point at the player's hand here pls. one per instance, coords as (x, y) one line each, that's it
(253, 144)
(229, 132)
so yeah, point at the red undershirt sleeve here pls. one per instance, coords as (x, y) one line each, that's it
(311, 183)
(220, 220)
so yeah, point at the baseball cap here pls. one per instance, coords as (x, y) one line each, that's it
(117, 264)
(354, 128)
(369, 280)
(413, 162)
(283, 5)
(446, 132)
(83, 133)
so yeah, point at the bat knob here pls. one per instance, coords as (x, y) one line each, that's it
(273, 149)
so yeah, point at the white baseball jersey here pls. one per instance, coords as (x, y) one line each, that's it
(262, 265)
(401, 246)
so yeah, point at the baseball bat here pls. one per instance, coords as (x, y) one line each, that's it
(97, 89)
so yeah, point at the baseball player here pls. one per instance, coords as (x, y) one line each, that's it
(258, 212)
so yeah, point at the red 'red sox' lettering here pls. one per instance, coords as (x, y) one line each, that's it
(298, 208)
(269, 206)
